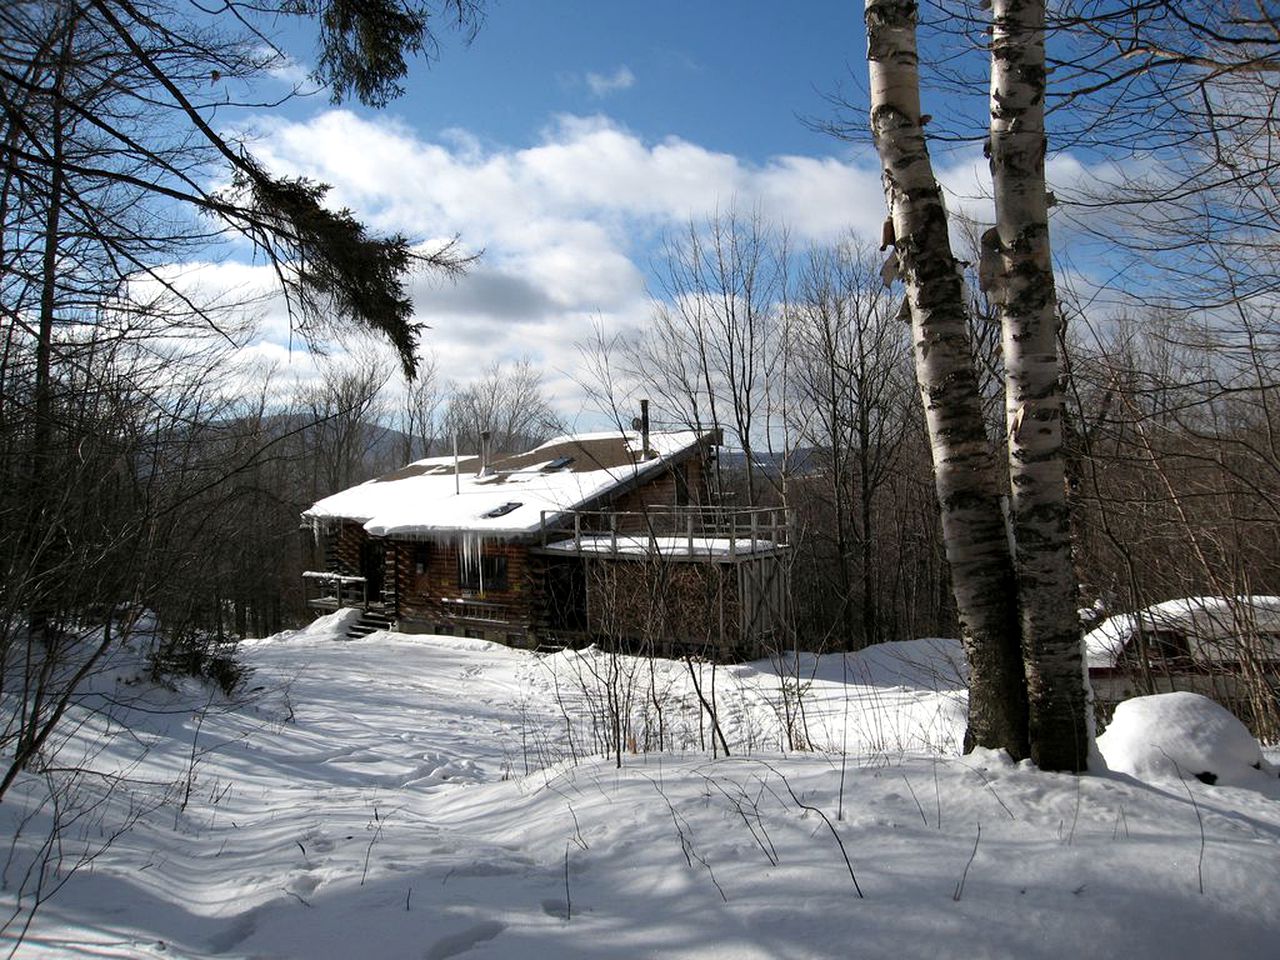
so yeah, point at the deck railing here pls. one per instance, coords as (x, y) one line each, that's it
(688, 531)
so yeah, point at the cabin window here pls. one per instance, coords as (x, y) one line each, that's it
(486, 576)
(421, 557)
(1164, 647)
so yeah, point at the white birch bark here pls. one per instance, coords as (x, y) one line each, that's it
(964, 465)
(1033, 397)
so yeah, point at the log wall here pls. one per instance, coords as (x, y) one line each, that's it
(431, 598)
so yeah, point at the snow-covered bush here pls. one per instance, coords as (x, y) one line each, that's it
(1182, 735)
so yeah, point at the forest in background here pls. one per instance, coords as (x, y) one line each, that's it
(183, 490)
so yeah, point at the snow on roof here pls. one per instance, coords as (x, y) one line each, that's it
(666, 546)
(424, 498)
(1202, 617)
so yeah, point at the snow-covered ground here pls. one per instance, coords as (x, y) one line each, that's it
(429, 797)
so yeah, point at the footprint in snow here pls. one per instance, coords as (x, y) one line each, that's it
(315, 840)
(458, 943)
(236, 932)
(556, 908)
(303, 885)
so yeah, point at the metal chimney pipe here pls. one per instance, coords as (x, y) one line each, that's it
(644, 429)
(484, 453)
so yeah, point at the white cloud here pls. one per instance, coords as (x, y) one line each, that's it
(569, 224)
(601, 85)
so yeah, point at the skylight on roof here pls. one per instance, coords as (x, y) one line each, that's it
(559, 463)
(501, 510)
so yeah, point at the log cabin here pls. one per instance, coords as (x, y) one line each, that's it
(612, 538)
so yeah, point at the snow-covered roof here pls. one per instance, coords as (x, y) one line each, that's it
(1203, 618)
(427, 498)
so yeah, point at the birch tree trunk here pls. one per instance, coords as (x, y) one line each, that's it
(1025, 299)
(973, 527)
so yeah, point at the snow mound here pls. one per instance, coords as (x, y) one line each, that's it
(1178, 736)
(933, 663)
(331, 626)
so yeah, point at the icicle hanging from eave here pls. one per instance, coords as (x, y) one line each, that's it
(453, 536)
(320, 528)
(471, 550)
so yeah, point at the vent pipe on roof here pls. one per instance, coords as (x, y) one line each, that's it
(644, 429)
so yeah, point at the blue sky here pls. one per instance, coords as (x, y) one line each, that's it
(730, 76)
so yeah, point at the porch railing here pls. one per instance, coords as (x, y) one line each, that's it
(336, 590)
(470, 609)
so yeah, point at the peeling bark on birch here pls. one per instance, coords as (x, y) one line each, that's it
(974, 532)
(1026, 305)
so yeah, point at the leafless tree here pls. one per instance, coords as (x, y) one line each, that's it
(850, 374)
(714, 349)
(418, 416)
(1021, 277)
(852, 472)
(968, 490)
(346, 411)
(508, 402)
(1178, 486)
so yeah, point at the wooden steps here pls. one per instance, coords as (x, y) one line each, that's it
(371, 621)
